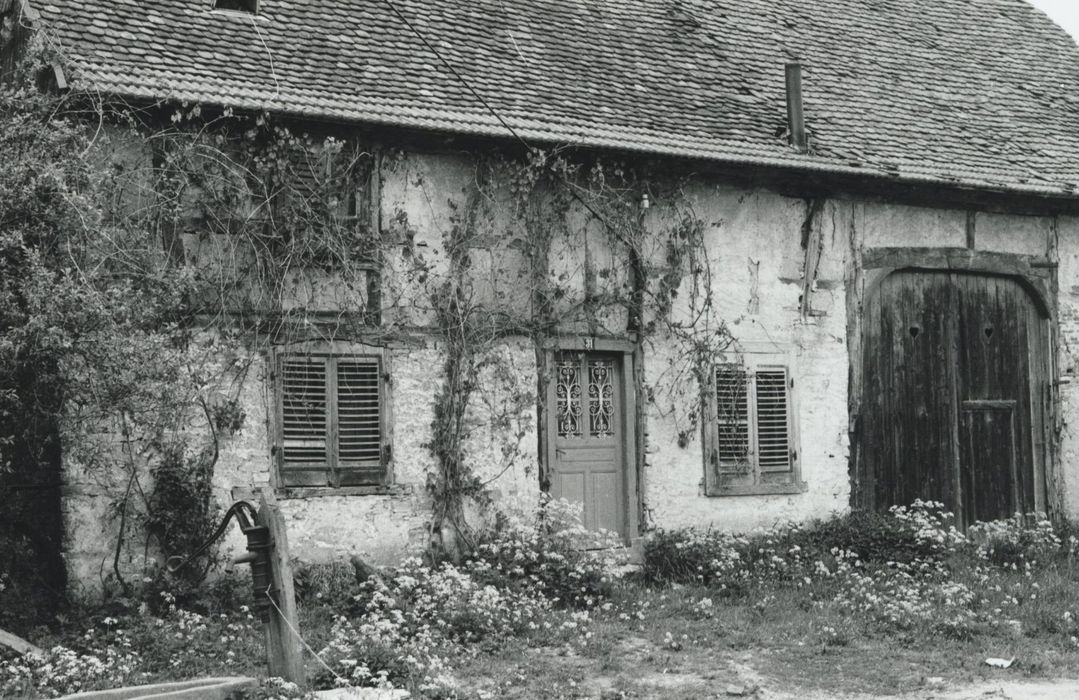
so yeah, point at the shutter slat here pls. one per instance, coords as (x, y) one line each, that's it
(773, 421)
(359, 413)
(732, 404)
(303, 411)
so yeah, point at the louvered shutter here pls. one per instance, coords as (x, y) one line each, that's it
(732, 418)
(304, 176)
(305, 418)
(359, 421)
(331, 421)
(773, 421)
(334, 184)
(351, 171)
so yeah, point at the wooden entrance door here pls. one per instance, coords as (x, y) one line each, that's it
(587, 452)
(953, 409)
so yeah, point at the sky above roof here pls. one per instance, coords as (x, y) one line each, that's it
(1064, 12)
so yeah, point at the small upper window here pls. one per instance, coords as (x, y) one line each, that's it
(249, 6)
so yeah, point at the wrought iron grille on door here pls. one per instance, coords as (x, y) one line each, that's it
(585, 397)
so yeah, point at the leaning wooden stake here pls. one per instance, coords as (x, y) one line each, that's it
(9, 640)
(283, 651)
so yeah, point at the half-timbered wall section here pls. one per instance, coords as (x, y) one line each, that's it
(900, 291)
(822, 297)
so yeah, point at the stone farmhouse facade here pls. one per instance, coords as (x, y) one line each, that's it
(901, 287)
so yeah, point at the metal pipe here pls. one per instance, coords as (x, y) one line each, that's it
(795, 114)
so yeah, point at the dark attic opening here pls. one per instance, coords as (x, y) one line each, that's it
(249, 6)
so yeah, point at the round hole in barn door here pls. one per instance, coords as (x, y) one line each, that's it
(914, 331)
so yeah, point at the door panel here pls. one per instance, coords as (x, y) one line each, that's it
(570, 486)
(587, 423)
(950, 408)
(995, 317)
(909, 411)
(987, 460)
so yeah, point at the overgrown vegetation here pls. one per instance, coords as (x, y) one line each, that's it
(532, 616)
(152, 256)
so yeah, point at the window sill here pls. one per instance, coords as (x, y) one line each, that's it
(291, 492)
(759, 490)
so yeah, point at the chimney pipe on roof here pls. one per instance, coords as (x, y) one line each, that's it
(795, 116)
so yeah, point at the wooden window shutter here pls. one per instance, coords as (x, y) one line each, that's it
(359, 421)
(332, 410)
(751, 432)
(350, 176)
(732, 418)
(352, 184)
(306, 172)
(773, 420)
(305, 444)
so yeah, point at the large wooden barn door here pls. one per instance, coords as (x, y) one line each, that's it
(954, 390)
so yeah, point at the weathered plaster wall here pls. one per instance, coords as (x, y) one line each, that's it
(380, 528)
(779, 284)
(754, 239)
(89, 512)
(423, 198)
(1067, 340)
(893, 225)
(426, 194)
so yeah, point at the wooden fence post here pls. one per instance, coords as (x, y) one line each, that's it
(283, 652)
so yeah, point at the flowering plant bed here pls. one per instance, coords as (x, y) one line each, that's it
(855, 604)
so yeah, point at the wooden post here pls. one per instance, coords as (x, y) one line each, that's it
(19, 644)
(283, 651)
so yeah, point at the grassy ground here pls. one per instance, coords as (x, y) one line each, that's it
(776, 640)
(662, 642)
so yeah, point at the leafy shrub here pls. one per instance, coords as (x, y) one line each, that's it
(545, 553)
(1019, 541)
(138, 648)
(734, 563)
(334, 584)
(923, 531)
(163, 591)
(182, 514)
(410, 618)
(730, 563)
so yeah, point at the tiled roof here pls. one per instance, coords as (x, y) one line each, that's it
(976, 93)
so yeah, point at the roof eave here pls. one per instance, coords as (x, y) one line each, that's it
(794, 162)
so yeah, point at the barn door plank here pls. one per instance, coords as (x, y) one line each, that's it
(995, 317)
(909, 407)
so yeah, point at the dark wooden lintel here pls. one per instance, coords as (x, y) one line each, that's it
(960, 259)
(1032, 271)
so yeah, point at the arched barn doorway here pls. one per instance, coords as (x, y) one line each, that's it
(955, 392)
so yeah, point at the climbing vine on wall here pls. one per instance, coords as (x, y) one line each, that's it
(181, 244)
(583, 255)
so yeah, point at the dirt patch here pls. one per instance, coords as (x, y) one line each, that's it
(1012, 690)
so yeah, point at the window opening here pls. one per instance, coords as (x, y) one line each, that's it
(248, 6)
(331, 420)
(752, 442)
